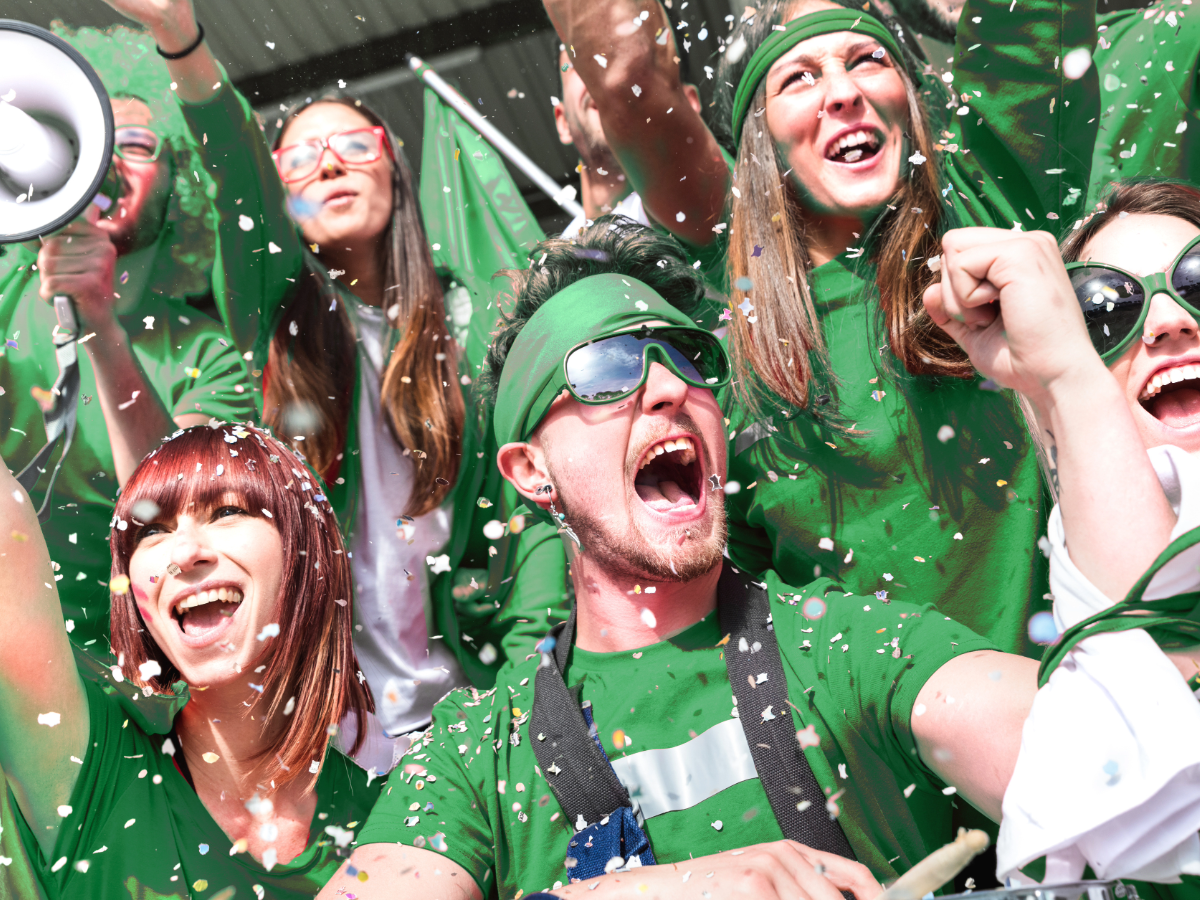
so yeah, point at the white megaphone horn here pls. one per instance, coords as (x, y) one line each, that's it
(56, 145)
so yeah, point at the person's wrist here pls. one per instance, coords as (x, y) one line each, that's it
(1078, 386)
(175, 35)
(106, 328)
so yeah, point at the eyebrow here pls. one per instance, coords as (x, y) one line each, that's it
(805, 60)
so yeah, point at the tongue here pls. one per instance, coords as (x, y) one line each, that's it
(201, 619)
(664, 496)
(1178, 409)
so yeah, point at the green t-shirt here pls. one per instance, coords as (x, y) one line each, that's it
(186, 358)
(902, 506)
(138, 829)
(472, 790)
(1147, 60)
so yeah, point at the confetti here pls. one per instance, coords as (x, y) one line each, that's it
(270, 630)
(210, 757)
(808, 737)
(119, 585)
(149, 669)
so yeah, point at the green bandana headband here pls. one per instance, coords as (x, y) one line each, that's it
(534, 375)
(780, 42)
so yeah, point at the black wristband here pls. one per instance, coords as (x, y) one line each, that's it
(186, 50)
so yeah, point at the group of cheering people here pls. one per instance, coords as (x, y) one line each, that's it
(699, 558)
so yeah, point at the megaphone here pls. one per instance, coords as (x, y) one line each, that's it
(56, 145)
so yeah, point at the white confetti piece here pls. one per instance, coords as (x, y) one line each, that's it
(648, 618)
(149, 669)
(825, 543)
(64, 811)
(908, 790)
(269, 630)
(917, 159)
(273, 247)
(601, 61)
(1077, 62)
(718, 825)
(51, 719)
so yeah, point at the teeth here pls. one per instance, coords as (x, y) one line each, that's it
(683, 445)
(200, 598)
(856, 139)
(1174, 375)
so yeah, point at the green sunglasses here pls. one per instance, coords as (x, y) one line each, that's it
(612, 367)
(1115, 303)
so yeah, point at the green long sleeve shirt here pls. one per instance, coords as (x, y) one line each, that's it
(1150, 95)
(934, 494)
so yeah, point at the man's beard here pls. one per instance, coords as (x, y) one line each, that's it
(593, 148)
(631, 554)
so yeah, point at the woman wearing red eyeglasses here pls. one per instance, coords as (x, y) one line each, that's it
(329, 289)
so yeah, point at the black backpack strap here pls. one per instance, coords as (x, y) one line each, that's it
(786, 776)
(576, 769)
(59, 419)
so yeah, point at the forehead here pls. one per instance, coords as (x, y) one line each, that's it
(817, 49)
(130, 111)
(323, 119)
(1141, 244)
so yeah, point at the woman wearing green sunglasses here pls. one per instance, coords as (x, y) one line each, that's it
(1106, 356)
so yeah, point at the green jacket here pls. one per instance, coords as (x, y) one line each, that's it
(934, 494)
(525, 579)
(1150, 125)
(170, 340)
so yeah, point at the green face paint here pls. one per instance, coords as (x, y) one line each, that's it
(769, 51)
(593, 307)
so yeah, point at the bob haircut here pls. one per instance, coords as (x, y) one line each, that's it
(786, 354)
(311, 375)
(312, 660)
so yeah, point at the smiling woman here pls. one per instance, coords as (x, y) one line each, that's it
(874, 453)
(232, 613)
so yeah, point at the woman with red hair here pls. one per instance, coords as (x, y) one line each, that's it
(201, 761)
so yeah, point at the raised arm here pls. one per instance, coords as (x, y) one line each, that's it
(1034, 341)
(43, 710)
(1024, 129)
(666, 150)
(259, 255)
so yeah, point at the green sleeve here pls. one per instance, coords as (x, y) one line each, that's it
(452, 786)
(1027, 131)
(211, 378)
(259, 254)
(873, 656)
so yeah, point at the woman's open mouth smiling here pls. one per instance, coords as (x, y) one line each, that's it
(670, 480)
(854, 146)
(203, 615)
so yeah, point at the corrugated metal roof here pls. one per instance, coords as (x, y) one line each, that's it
(501, 54)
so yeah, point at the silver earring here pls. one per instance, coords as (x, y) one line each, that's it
(560, 519)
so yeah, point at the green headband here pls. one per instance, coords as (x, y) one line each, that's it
(826, 21)
(534, 375)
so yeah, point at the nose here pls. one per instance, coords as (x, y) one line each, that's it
(189, 548)
(663, 389)
(1167, 321)
(328, 165)
(842, 92)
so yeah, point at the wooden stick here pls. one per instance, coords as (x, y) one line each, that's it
(938, 867)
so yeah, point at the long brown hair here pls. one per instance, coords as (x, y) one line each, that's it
(784, 351)
(312, 659)
(311, 363)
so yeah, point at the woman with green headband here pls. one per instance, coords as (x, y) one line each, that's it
(865, 447)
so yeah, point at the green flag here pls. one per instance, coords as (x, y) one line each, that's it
(475, 217)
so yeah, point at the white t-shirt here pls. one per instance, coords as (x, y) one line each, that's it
(631, 206)
(408, 669)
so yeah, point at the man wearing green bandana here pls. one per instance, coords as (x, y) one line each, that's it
(150, 360)
(604, 406)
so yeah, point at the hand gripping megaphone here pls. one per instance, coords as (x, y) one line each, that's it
(56, 145)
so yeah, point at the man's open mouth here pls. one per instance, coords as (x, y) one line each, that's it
(856, 146)
(204, 611)
(669, 477)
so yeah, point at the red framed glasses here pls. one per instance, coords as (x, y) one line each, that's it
(362, 145)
